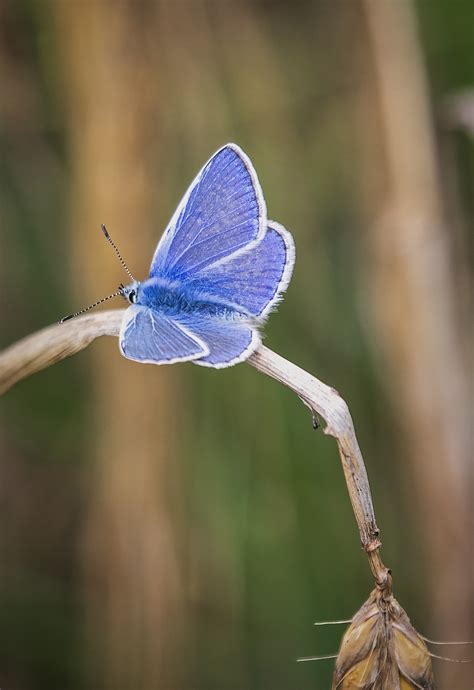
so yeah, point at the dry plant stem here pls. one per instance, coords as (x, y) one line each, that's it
(327, 402)
(52, 344)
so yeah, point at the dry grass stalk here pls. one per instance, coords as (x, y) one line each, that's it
(114, 133)
(416, 307)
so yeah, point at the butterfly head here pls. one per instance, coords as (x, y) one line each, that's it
(130, 292)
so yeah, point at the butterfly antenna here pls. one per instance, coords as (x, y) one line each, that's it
(110, 240)
(118, 293)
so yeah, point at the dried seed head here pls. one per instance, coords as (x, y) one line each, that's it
(381, 650)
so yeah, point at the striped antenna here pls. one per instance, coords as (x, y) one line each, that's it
(118, 293)
(110, 240)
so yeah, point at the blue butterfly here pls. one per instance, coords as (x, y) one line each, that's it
(217, 272)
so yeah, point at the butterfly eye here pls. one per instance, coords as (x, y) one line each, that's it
(132, 296)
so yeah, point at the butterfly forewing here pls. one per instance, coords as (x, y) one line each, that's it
(222, 212)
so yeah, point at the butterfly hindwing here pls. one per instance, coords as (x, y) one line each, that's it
(222, 212)
(229, 341)
(149, 336)
(252, 280)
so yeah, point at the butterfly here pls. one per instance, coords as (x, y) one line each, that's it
(217, 272)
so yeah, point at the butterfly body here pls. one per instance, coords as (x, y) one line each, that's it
(175, 300)
(218, 271)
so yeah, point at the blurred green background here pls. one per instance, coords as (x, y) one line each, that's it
(182, 528)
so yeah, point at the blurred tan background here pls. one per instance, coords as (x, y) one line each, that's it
(182, 528)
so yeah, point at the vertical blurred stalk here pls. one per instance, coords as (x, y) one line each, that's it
(415, 308)
(132, 579)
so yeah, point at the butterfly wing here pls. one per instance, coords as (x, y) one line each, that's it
(151, 337)
(230, 341)
(253, 280)
(222, 212)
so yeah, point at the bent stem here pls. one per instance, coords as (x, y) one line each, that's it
(52, 344)
(326, 402)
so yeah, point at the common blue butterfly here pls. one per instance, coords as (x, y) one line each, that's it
(217, 272)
